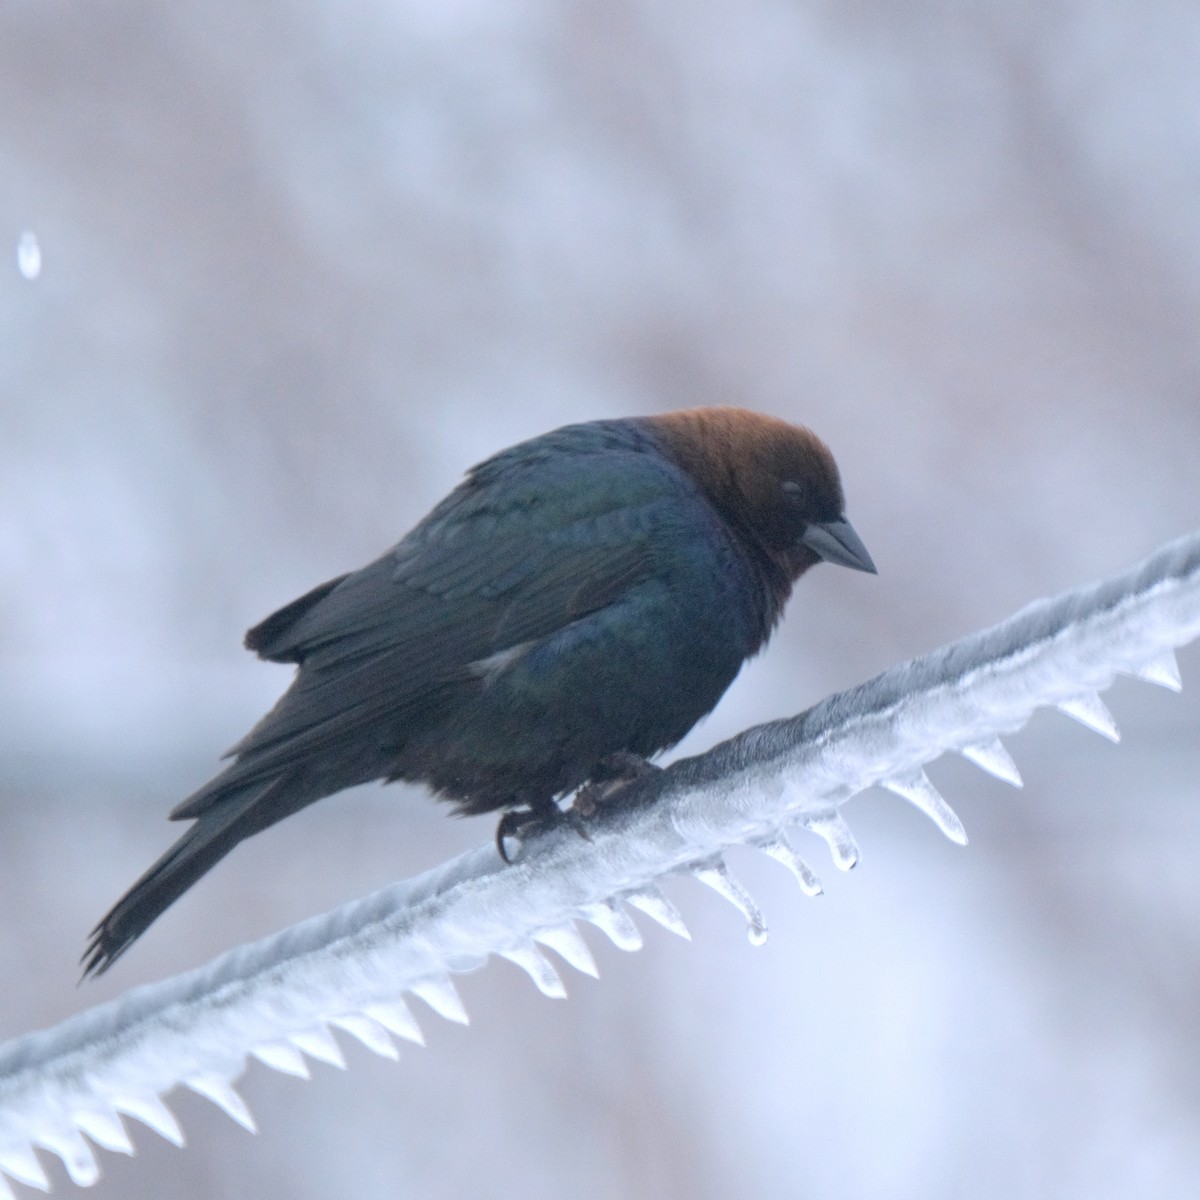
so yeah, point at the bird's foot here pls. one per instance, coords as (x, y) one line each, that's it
(516, 824)
(612, 775)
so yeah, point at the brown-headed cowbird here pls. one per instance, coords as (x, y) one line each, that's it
(580, 599)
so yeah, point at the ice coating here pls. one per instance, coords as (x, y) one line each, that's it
(278, 998)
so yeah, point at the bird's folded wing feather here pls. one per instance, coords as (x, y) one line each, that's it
(490, 569)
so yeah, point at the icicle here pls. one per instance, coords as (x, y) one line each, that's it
(1162, 669)
(221, 1092)
(920, 793)
(781, 850)
(716, 876)
(442, 996)
(657, 907)
(76, 1154)
(25, 1167)
(282, 1056)
(615, 923)
(369, 1032)
(567, 941)
(535, 964)
(152, 1112)
(837, 836)
(396, 1017)
(319, 1043)
(1088, 709)
(105, 1128)
(992, 757)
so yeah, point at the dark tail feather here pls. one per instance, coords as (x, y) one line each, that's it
(199, 850)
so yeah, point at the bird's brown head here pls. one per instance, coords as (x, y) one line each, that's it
(776, 484)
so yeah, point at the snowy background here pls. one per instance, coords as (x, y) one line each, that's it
(304, 263)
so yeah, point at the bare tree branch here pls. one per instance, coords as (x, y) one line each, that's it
(277, 999)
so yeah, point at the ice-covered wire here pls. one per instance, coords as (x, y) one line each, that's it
(279, 998)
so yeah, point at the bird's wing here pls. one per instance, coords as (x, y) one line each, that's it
(496, 566)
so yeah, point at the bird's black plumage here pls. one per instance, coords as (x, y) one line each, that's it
(589, 593)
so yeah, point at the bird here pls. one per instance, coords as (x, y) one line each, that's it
(574, 606)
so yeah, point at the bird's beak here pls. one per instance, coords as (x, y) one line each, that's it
(836, 542)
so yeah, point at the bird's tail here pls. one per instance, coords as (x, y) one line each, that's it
(214, 834)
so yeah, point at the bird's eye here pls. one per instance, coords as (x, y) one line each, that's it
(792, 488)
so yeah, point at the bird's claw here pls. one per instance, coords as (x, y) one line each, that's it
(511, 825)
(516, 823)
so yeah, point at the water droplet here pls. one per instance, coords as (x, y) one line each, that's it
(29, 255)
(757, 934)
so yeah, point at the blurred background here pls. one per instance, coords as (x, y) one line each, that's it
(302, 264)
